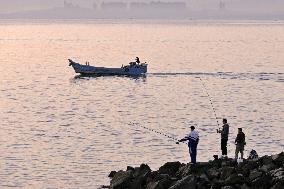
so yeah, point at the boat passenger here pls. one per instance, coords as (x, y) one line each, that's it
(137, 60)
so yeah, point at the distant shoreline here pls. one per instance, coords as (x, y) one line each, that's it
(137, 21)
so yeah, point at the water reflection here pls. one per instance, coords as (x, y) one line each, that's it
(141, 77)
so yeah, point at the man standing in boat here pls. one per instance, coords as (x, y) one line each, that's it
(137, 60)
(193, 139)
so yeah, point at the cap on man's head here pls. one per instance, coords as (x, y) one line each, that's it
(225, 120)
(192, 127)
(240, 129)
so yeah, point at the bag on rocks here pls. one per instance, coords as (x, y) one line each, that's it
(253, 154)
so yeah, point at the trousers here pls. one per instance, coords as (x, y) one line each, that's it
(224, 146)
(193, 151)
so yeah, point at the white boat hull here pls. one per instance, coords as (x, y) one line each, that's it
(126, 70)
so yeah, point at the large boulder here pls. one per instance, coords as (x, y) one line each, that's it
(268, 167)
(140, 175)
(278, 159)
(160, 184)
(277, 175)
(279, 185)
(265, 160)
(154, 185)
(227, 187)
(121, 180)
(226, 172)
(203, 182)
(213, 173)
(262, 182)
(234, 179)
(254, 174)
(170, 168)
(248, 167)
(188, 182)
(184, 171)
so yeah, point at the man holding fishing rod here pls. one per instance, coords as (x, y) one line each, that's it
(193, 139)
(224, 137)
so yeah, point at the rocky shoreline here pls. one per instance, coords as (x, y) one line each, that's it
(260, 173)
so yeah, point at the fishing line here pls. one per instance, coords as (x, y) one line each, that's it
(210, 99)
(157, 132)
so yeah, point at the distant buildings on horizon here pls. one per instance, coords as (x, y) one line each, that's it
(149, 9)
(106, 5)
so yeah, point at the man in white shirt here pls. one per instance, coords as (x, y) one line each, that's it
(193, 139)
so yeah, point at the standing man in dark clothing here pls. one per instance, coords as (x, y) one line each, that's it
(224, 137)
(137, 60)
(240, 143)
(193, 139)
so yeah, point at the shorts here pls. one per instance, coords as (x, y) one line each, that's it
(240, 148)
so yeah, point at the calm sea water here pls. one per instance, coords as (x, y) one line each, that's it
(63, 131)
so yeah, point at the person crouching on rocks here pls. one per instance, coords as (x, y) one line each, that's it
(240, 143)
(193, 139)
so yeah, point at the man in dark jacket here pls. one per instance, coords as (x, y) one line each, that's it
(240, 143)
(224, 137)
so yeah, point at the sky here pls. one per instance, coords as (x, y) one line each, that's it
(267, 6)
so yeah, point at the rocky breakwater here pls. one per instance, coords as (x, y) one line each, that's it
(261, 173)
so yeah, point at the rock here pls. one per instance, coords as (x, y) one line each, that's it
(111, 174)
(203, 182)
(142, 170)
(226, 172)
(204, 177)
(234, 179)
(154, 185)
(188, 182)
(129, 168)
(268, 167)
(228, 162)
(104, 187)
(170, 168)
(160, 184)
(277, 175)
(262, 182)
(140, 175)
(215, 186)
(244, 186)
(247, 167)
(121, 180)
(184, 171)
(278, 159)
(212, 173)
(279, 185)
(265, 160)
(254, 174)
(227, 187)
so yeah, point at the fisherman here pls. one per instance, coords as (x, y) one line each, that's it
(224, 137)
(240, 143)
(137, 60)
(193, 139)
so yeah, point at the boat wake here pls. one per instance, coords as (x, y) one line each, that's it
(278, 77)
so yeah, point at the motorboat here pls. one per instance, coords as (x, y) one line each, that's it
(133, 68)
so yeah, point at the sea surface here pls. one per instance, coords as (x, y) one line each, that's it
(60, 130)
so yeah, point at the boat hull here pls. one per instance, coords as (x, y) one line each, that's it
(92, 70)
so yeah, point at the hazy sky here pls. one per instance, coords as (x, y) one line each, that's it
(8, 6)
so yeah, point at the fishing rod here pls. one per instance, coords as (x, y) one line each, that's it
(210, 99)
(157, 132)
